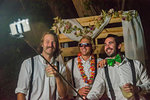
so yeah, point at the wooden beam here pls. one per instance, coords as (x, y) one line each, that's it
(80, 8)
(63, 39)
(73, 51)
(70, 51)
(113, 29)
(86, 21)
(105, 32)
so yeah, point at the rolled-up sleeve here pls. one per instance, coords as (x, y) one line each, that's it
(23, 79)
(144, 78)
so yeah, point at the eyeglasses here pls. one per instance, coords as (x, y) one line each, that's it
(85, 44)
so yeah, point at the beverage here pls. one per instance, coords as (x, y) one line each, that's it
(48, 74)
(126, 94)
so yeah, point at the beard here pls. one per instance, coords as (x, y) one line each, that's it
(111, 54)
(49, 52)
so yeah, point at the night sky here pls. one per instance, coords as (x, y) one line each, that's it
(13, 50)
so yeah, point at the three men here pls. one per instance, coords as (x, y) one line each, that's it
(43, 87)
(117, 75)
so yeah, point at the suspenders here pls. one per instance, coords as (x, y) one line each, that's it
(134, 77)
(56, 85)
(73, 81)
(31, 80)
(72, 69)
(30, 90)
(112, 93)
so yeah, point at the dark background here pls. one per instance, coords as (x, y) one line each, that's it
(41, 13)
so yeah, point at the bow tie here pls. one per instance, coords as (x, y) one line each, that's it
(111, 62)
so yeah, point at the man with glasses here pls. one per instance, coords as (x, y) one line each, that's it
(83, 69)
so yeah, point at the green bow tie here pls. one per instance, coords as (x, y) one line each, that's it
(111, 62)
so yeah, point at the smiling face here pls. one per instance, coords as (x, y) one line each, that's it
(49, 45)
(85, 47)
(111, 48)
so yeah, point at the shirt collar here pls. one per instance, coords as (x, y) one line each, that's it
(124, 60)
(86, 60)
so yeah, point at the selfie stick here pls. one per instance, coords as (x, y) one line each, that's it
(55, 69)
(18, 28)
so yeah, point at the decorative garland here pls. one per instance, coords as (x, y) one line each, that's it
(68, 27)
(92, 69)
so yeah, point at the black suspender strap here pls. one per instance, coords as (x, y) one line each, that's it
(31, 80)
(112, 93)
(57, 64)
(95, 67)
(133, 76)
(72, 73)
(133, 71)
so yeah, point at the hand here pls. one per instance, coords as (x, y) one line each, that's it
(84, 91)
(51, 71)
(128, 87)
(102, 63)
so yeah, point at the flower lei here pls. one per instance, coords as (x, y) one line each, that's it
(92, 68)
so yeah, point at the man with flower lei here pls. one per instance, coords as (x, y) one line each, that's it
(84, 68)
(125, 79)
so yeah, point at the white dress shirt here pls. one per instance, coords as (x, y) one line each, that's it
(44, 88)
(79, 82)
(119, 75)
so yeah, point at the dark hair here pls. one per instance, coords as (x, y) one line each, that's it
(117, 38)
(91, 42)
(57, 51)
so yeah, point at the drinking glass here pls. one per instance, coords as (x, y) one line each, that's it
(47, 73)
(126, 94)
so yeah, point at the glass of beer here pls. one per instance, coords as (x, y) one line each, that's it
(48, 74)
(126, 94)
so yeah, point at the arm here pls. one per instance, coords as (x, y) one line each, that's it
(23, 80)
(144, 78)
(20, 96)
(61, 86)
(98, 88)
